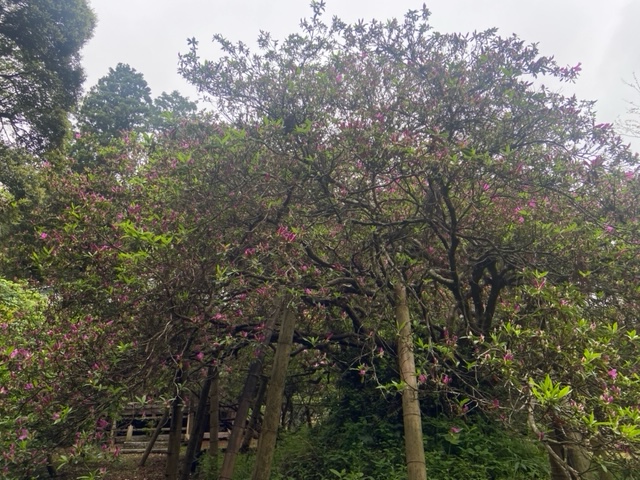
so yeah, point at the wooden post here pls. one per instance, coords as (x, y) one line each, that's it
(414, 447)
(190, 423)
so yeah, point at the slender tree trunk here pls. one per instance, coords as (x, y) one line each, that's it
(175, 433)
(154, 437)
(255, 415)
(273, 406)
(198, 426)
(237, 433)
(414, 447)
(214, 421)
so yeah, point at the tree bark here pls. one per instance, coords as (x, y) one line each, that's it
(197, 431)
(275, 391)
(175, 433)
(248, 392)
(571, 460)
(255, 415)
(154, 437)
(414, 447)
(214, 421)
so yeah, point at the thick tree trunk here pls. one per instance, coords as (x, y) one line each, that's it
(275, 391)
(214, 421)
(195, 439)
(154, 437)
(414, 447)
(248, 392)
(175, 434)
(569, 460)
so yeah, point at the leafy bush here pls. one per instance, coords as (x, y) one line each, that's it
(362, 438)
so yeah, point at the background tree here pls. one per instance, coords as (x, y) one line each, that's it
(40, 72)
(119, 102)
(172, 108)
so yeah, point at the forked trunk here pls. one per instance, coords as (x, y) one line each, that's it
(273, 405)
(195, 438)
(252, 428)
(414, 447)
(247, 395)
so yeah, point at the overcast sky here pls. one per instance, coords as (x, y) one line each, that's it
(149, 34)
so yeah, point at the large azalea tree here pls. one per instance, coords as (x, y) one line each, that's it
(442, 163)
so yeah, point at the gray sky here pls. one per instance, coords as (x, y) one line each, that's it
(149, 34)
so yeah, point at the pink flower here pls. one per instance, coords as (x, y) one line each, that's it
(23, 434)
(43, 235)
(606, 398)
(286, 234)
(102, 424)
(422, 378)
(508, 357)
(455, 430)
(339, 78)
(446, 379)
(200, 356)
(485, 187)
(613, 373)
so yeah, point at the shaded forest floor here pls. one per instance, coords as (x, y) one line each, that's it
(124, 468)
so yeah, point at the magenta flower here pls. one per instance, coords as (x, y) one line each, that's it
(199, 356)
(613, 373)
(286, 234)
(422, 378)
(43, 235)
(102, 424)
